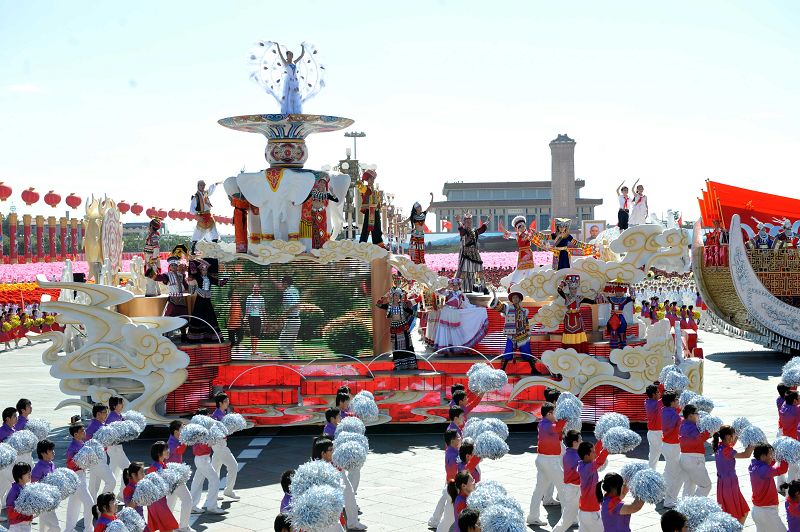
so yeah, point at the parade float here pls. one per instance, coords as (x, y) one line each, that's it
(288, 313)
(746, 264)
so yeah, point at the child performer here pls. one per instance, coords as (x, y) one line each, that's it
(332, 418)
(789, 418)
(131, 476)
(343, 403)
(117, 459)
(516, 329)
(81, 496)
(6, 430)
(624, 206)
(286, 486)
(21, 473)
(222, 454)
(616, 515)
(176, 450)
(453, 389)
(467, 461)
(572, 482)
(673, 521)
(468, 520)
(440, 520)
(548, 462)
(159, 516)
(456, 416)
(693, 455)
(466, 402)
(592, 459)
(459, 489)
(779, 402)
(323, 450)
(670, 426)
(101, 472)
(105, 511)
(46, 451)
(763, 471)
(792, 505)
(653, 407)
(729, 496)
(204, 470)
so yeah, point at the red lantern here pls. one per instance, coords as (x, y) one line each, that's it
(136, 209)
(5, 191)
(173, 214)
(30, 196)
(151, 212)
(122, 206)
(73, 201)
(161, 214)
(52, 199)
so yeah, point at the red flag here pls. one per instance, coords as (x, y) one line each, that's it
(425, 228)
(500, 227)
(446, 225)
(553, 225)
(533, 225)
(680, 221)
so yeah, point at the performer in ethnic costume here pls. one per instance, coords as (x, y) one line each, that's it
(617, 325)
(470, 265)
(786, 237)
(762, 240)
(201, 207)
(201, 277)
(177, 286)
(315, 213)
(416, 247)
(371, 208)
(574, 332)
(460, 322)
(399, 312)
(562, 240)
(516, 329)
(525, 262)
(241, 209)
(152, 257)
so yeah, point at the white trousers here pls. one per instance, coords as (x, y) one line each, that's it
(355, 478)
(570, 495)
(767, 519)
(181, 494)
(548, 472)
(590, 522)
(673, 474)
(350, 505)
(117, 461)
(80, 497)
(291, 326)
(6, 479)
(204, 470)
(655, 443)
(20, 527)
(48, 522)
(205, 234)
(101, 473)
(224, 457)
(437, 512)
(448, 517)
(696, 482)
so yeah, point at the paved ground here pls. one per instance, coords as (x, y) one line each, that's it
(402, 478)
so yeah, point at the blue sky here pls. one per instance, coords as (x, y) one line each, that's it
(101, 97)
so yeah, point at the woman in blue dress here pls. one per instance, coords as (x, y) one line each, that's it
(291, 101)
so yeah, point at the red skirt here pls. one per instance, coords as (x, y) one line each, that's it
(730, 497)
(159, 516)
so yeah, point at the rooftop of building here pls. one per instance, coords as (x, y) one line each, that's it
(509, 202)
(562, 138)
(456, 185)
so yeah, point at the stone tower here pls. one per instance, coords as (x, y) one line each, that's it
(562, 152)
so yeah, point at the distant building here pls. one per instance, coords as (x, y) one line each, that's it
(141, 229)
(502, 201)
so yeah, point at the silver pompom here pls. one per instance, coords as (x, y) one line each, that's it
(364, 408)
(791, 376)
(315, 473)
(666, 370)
(217, 433)
(203, 421)
(619, 440)
(183, 470)
(116, 526)
(709, 423)
(8, 455)
(472, 428)
(567, 397)
(234, 422)
(37, 498)
(349, 455)
(569, 409)
(686, 398)
(631, 468)
(740, 423)
(608, 421)
(703, 404)
(720, 522)
(39, 426)
(97, 448)
(649, 486)
(752, 435)
(487, 379)
(150, 489)
(787, 450)
(350, 424)
(192, 434)
(136, 417)
(127, 430)
(131, 519)
(65, 480)
(502, 519)
(366, 393)
(317, 508)
(696, 510)
(344, 437)
(511, 503)
(485, 494)
(676, 382)
(86, 458)
(24, 441)
(573, 424)
(794, 362)
(490, 445)
(495, 425)
(106, 435)
(478, 367)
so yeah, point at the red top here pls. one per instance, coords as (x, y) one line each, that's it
(550, 437)
(103, 521)
(653, 407)
(788, 418)
(691, 438)
(471, 402)
(201, 449)
(588, 473)
(670, 425)
(762, 479)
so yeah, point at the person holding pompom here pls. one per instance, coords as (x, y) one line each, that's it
(467, 461)
(46, 451)
(159, 516)
(283, 523)
(81, 495)
(6, 430)
(286, 486)
(763, 470)
(204, 470)
(548, 462)
(572, 482)
(440, 520)
(789, 418)
(792, 504)
(21, 473)
(653, 407)
(466, 402)
(693, 455)
(674, 521)
(459, 489)
(456, 416)
(105, 511)
(342, 402)
(453, 389)
(332, 418)
(670, 428)
(24, 411)
(592, 459)
(729, 495)
(131, 476)
(101, 472)
(117, 459)
(469, 520)
(616, 515)
(222, 454)
(323, 450)
(181, 493)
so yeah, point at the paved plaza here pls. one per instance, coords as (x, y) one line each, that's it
(402, 479)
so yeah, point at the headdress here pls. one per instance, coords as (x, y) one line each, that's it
(416, 204)
(181, 250)
(518, 220)
(155, 223)
(563, 223)
(467, 214)
(397, 291)
(455, 281)
(616, 287)
(173, 259)
(515, 293)
(573, 280)
(369, 174)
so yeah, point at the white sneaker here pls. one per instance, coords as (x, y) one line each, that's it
(536, 522)
(554, 502)
(433, 524)
(198, 510)
(215, 510)
(187, 529)
(232, 495)
(357, 526)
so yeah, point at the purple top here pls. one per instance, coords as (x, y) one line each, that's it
(329, 429)
(287, 499)
(174, 456)
(450, 463)
(612, 520)
(458, 506)
(792, 515)
(218, 414)
(112, 417)
(13, 493)
(21, 422)
(344, 413)
(41, 470)
(726, 461)
(453, 426)
(93, 427)
(569, 463)
(476, 473)
(5, 432)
